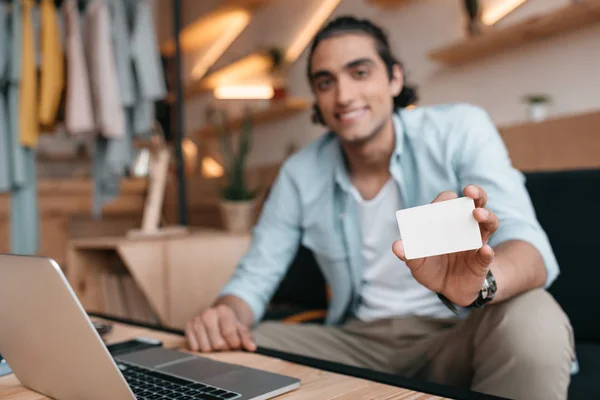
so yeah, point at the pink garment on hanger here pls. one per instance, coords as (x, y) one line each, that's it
(109, 114)
(79, 115)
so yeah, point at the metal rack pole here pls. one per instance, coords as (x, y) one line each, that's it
(179, 124)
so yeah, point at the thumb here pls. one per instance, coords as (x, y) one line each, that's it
(413, 264)
(485, 256)
(398, 249)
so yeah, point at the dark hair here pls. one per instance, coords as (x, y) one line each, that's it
(348, 24)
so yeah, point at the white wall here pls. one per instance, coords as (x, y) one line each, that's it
(565, 67)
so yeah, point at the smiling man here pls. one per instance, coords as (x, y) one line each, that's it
(338, 197)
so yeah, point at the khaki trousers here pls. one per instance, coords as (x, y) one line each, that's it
(521, 348)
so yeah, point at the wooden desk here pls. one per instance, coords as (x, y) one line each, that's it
(316, 384)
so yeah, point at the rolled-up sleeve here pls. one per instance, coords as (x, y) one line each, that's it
(482, 158)
(275, 241)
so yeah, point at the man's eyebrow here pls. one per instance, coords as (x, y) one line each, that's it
(359, 62)
(320, 73)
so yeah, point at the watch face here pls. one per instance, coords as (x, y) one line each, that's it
(491, 285)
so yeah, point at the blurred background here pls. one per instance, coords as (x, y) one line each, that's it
(138, 139)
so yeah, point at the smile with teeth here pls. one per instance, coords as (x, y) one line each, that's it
(351, 114)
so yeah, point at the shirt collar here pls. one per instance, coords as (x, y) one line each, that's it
(341, 172)
(399, 133)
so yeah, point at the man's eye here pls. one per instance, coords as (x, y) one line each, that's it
(361, 73)
(324, 84)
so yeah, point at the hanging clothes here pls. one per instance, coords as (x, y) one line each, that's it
(112, 158)
(28, 106)
(5, 148)
(24, 226)
(52, 73)
(148, 68)
(25, 219)
(17, 152)
(100, 56)
(141, 83)
(79, 115)
(113, 143)
(121, 33)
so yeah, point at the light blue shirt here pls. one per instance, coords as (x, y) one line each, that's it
(438, 148)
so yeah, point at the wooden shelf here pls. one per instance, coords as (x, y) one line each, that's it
(253, 64)
(203, 30)
(277, 110)
(559, 21)
(561, 143)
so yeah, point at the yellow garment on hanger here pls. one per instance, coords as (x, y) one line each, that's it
(52, 70)
(28, 103)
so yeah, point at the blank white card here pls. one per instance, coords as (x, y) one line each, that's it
(439, 228)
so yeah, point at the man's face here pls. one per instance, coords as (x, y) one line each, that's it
(352, 86)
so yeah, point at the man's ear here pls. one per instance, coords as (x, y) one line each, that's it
(397, 81)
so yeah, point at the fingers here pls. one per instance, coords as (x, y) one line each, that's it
(211, 323)
(478, 195)
(246, 337)
(190, 336)
(446, 195)
(228, 326)
(218, 329)
(196, 335)
(488, 223)
(398, 249)
(202, 337)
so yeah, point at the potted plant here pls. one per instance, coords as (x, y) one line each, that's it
(537, 109)
(237, 202)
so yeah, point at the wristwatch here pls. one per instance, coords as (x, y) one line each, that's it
(486, 294)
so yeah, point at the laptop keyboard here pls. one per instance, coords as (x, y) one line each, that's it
(152, 385)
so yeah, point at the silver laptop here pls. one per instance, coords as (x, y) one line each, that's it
(51, 345)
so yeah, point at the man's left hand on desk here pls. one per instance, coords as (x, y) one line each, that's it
(458, 276)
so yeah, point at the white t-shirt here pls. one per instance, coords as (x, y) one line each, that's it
(389, 289)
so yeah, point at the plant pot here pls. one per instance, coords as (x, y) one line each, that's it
(537, 112)
(238, 216)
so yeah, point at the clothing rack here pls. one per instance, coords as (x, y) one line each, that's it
(179, 121)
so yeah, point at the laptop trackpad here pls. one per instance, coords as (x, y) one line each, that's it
(250, 382)
(200, 369)
(178, 363)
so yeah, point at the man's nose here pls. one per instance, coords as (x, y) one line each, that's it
(345, 92)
